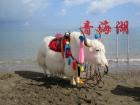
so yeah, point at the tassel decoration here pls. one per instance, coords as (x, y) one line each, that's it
(67, 50)
(81, 52)
(69, 60)
(80, 67)
(74, 65)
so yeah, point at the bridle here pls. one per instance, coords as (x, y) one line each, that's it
(95, 76)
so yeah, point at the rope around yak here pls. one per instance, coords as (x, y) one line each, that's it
(93, 76)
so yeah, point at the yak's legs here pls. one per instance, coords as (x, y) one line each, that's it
(45, 72)
(72, 80)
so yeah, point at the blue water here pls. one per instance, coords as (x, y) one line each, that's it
(24, 44)
(19, 44)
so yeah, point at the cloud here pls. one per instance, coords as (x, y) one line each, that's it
(20, 9)
(104, 5)
(136, 1)
(62, 12)
(75, 2)
(138, 13)
(26, 23)
(99, 6)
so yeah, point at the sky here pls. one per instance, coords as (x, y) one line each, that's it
(54, 16)
(24, 23)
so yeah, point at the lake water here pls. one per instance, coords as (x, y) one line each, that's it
(18, 46)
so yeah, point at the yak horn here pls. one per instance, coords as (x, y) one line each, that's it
(85, 40)
(87, 43)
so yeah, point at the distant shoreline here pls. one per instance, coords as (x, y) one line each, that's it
(33, 60)
(31, 65)
(17, 61)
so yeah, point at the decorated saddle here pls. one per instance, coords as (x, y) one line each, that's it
(56, 44)
(59, 42)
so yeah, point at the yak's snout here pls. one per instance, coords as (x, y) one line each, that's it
(102, 62)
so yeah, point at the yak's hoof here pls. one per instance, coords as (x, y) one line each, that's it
(73, 83)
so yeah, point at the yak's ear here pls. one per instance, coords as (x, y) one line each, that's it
(90, 49)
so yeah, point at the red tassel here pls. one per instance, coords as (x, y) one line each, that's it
(74, 65)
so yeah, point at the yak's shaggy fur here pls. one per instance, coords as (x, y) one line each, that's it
(54, 62)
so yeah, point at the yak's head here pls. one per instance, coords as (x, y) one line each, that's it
(94, 50)
(96, 53)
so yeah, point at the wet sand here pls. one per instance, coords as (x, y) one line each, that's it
(29, 88)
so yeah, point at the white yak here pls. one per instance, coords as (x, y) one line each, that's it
(55, 63)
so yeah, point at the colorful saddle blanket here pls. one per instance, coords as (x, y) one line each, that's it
(56, 44)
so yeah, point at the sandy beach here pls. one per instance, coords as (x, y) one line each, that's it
(29, 88)
(69, 35)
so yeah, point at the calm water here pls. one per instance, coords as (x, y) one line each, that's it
(19, 45)
(23, 45)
